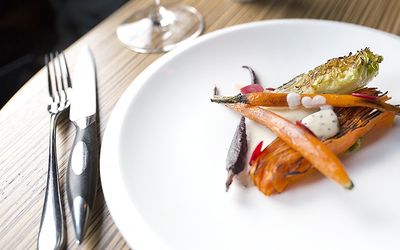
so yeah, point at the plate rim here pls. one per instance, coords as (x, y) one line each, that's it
(114, 188)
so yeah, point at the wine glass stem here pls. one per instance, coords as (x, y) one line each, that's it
(155, 14)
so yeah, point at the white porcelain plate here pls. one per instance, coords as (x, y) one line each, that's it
(164, 149)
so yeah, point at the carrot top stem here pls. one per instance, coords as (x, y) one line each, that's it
(239, 98)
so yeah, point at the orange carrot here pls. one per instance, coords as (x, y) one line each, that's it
(341, 144)
(293, 100)
(301, 141)
(278, 164)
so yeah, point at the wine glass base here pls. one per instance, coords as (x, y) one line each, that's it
(152, 31)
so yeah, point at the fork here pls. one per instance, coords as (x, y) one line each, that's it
(52, 227)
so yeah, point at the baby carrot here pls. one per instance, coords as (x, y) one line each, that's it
(294, 100)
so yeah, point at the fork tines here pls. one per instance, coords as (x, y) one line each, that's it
(59, 82)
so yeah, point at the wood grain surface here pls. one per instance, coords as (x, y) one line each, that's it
(24, 121)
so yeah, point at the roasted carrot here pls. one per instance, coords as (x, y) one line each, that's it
(340, 144)
(278, 164)
(301, 141)
(294, 100)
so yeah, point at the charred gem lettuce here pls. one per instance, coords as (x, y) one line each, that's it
(339, 75)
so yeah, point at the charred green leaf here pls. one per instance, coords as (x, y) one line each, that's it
(338, 75)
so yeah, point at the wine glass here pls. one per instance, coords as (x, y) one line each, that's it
(160, 29)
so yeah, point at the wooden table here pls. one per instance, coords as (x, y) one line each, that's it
(24, 121)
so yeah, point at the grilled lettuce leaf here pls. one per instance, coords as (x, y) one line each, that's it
(339, 75)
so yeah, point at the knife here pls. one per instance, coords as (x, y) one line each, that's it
(82, 171)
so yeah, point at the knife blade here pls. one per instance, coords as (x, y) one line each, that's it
(82, 171)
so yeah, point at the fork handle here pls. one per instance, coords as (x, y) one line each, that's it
(82, 174)
(52, 228)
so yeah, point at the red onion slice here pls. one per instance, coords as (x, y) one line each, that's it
(365, 96)
(252, 88)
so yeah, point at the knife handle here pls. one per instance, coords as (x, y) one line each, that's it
(82, 174)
